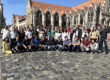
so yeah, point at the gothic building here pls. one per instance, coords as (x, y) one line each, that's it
(2, 19)
(89, 13)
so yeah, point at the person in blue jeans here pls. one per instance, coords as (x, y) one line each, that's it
(103, 39)
(60, 44)
(76, 44)
(66, 44)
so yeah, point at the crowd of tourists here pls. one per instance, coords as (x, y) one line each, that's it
(73, 39)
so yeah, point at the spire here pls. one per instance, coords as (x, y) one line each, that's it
(28, 1)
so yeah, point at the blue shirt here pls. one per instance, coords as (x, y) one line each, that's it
(67, 41)
(36, 41)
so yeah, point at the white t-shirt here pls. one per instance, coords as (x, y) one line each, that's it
(64, 35)
(29, 34)
(6, 33)
(41, 34)
(94, 46)
(57, 35)
(83, 35)
(13, 34)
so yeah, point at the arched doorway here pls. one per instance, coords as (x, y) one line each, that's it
(56, 19)
(48, 19)
(38, 18)
(64, 20)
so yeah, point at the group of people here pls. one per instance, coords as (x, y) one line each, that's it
(74, 39)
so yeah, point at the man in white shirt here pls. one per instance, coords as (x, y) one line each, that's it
(5, 33)
(13, 33)
(28, 33)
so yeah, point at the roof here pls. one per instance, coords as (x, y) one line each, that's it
(17, 16)
(87, 3)
(52, 7)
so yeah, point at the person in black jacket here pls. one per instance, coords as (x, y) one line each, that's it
(42, 44)
(26, 44)
(60, 44)
(79, 32)
(17, 45)
(51, 44)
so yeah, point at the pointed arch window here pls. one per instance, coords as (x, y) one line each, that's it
(90, 14)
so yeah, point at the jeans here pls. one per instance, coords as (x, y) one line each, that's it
(66, 47)
(101, 45)
(77, 47)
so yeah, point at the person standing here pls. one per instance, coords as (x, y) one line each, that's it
(13, 34)
(5, 33)
(94, 34)
(103, 39)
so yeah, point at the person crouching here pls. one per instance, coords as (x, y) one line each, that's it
(6, 46)
(17, 45)
(26, 44)
(94, 46)
(86, 44)
(66, 44)
(76, 44)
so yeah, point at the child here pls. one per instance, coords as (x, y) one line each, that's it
(6, 46)
(94, 46)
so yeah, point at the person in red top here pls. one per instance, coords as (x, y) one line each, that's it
(69, 30)
(86, 44)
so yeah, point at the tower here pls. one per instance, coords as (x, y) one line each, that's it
(2, 20)
(28, 12)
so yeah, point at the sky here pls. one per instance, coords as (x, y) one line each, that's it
(19, 6)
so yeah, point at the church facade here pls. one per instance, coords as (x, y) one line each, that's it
(89, 13)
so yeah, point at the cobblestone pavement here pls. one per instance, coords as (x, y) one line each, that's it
(55, 66)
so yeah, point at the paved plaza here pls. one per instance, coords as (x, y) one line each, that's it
(55, 65)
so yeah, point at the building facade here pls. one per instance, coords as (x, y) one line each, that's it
(2, 19)
(90, 14)
(18, 21)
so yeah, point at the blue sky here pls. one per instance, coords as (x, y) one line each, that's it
(19, 6)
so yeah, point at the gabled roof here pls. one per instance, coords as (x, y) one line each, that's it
(87, 3)
(61, 9)
(52, 7)
(17, 16)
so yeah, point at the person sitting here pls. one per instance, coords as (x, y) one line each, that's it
(17, 45)
(60, 44)
(42, 44)
(66, 44)
(76, 44)
(35, 44)
(26, 44)
(94, 46)
(6, 46)
(86, 44)
(51, 44)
